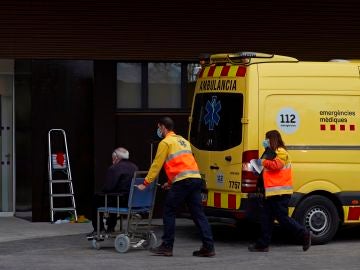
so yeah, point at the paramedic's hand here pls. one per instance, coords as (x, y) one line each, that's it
(165, 186)
(141, 186)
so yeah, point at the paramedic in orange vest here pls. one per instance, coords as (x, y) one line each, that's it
(278, 188)
(184, 185)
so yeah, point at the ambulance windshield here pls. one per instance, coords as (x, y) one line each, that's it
(216, 121)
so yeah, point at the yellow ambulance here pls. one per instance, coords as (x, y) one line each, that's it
(316, 108)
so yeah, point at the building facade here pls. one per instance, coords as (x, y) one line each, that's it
(105, 71)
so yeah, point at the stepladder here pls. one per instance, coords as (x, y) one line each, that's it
(61, 190)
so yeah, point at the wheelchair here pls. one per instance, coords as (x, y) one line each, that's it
(137, 231)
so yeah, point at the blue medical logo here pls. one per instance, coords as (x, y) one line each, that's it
(212, 116)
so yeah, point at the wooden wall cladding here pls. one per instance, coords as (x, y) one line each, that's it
(177, 30)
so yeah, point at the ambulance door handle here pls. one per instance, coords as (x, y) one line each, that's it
(214, 167)
(228, 158)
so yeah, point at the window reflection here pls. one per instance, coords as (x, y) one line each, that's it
(128, 85)
(155, 85)
(164, 85)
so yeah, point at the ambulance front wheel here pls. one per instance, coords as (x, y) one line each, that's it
(318, 214)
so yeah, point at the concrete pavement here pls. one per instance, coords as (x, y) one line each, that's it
(39, 246)
(13, 228)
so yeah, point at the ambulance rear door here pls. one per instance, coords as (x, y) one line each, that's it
(217, 133)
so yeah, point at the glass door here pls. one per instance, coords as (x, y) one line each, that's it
(7, 191)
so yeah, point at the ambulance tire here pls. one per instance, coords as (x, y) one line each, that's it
(318, 214)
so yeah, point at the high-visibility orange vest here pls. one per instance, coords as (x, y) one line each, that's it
(277, 174)
(180, 162)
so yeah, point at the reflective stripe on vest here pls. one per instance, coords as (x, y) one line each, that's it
(278, 182)
(279, 188)
(184, 174)
(172, 156)
(181, 165)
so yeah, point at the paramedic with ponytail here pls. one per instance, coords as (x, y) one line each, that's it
(184, 185)
(278, 188)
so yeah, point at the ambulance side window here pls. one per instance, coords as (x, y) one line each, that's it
(216, 121)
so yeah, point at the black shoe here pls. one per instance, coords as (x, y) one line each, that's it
(162, 250)
(91, 235)
(307, 240)
(256, 248)
(204, 252)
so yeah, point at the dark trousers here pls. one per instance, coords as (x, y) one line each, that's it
(188, 191)
(276, 207)
(99, 201)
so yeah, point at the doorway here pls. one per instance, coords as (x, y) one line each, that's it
(7, 183)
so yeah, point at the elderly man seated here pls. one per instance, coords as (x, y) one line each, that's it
(118, 180)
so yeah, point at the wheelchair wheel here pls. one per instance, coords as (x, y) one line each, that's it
(95, 244)
(122, 243)
(151, 241)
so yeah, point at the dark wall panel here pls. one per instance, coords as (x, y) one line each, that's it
(104, 118)
(24, 153)
(61, 97)
(160, 30)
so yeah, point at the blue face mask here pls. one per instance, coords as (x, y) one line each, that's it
(158, 132)
(266, 143)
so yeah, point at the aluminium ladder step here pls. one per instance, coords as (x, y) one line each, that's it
(57, 181)
(63, 209)
(62, 195)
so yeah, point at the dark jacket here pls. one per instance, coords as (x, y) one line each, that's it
(119, 176)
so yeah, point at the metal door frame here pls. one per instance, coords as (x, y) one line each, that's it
(12, 147)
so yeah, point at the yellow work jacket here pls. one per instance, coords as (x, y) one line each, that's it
(174, 153)
(277, 174)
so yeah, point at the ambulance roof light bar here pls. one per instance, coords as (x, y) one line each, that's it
(253, 55)
(247, 58)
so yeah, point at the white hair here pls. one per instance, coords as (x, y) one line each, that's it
(120, 153)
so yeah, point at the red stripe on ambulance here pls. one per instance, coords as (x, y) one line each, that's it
(225, 71)
(241, 71)
(232, 201)
(211, 71)
(201, 72)
(217, 199)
